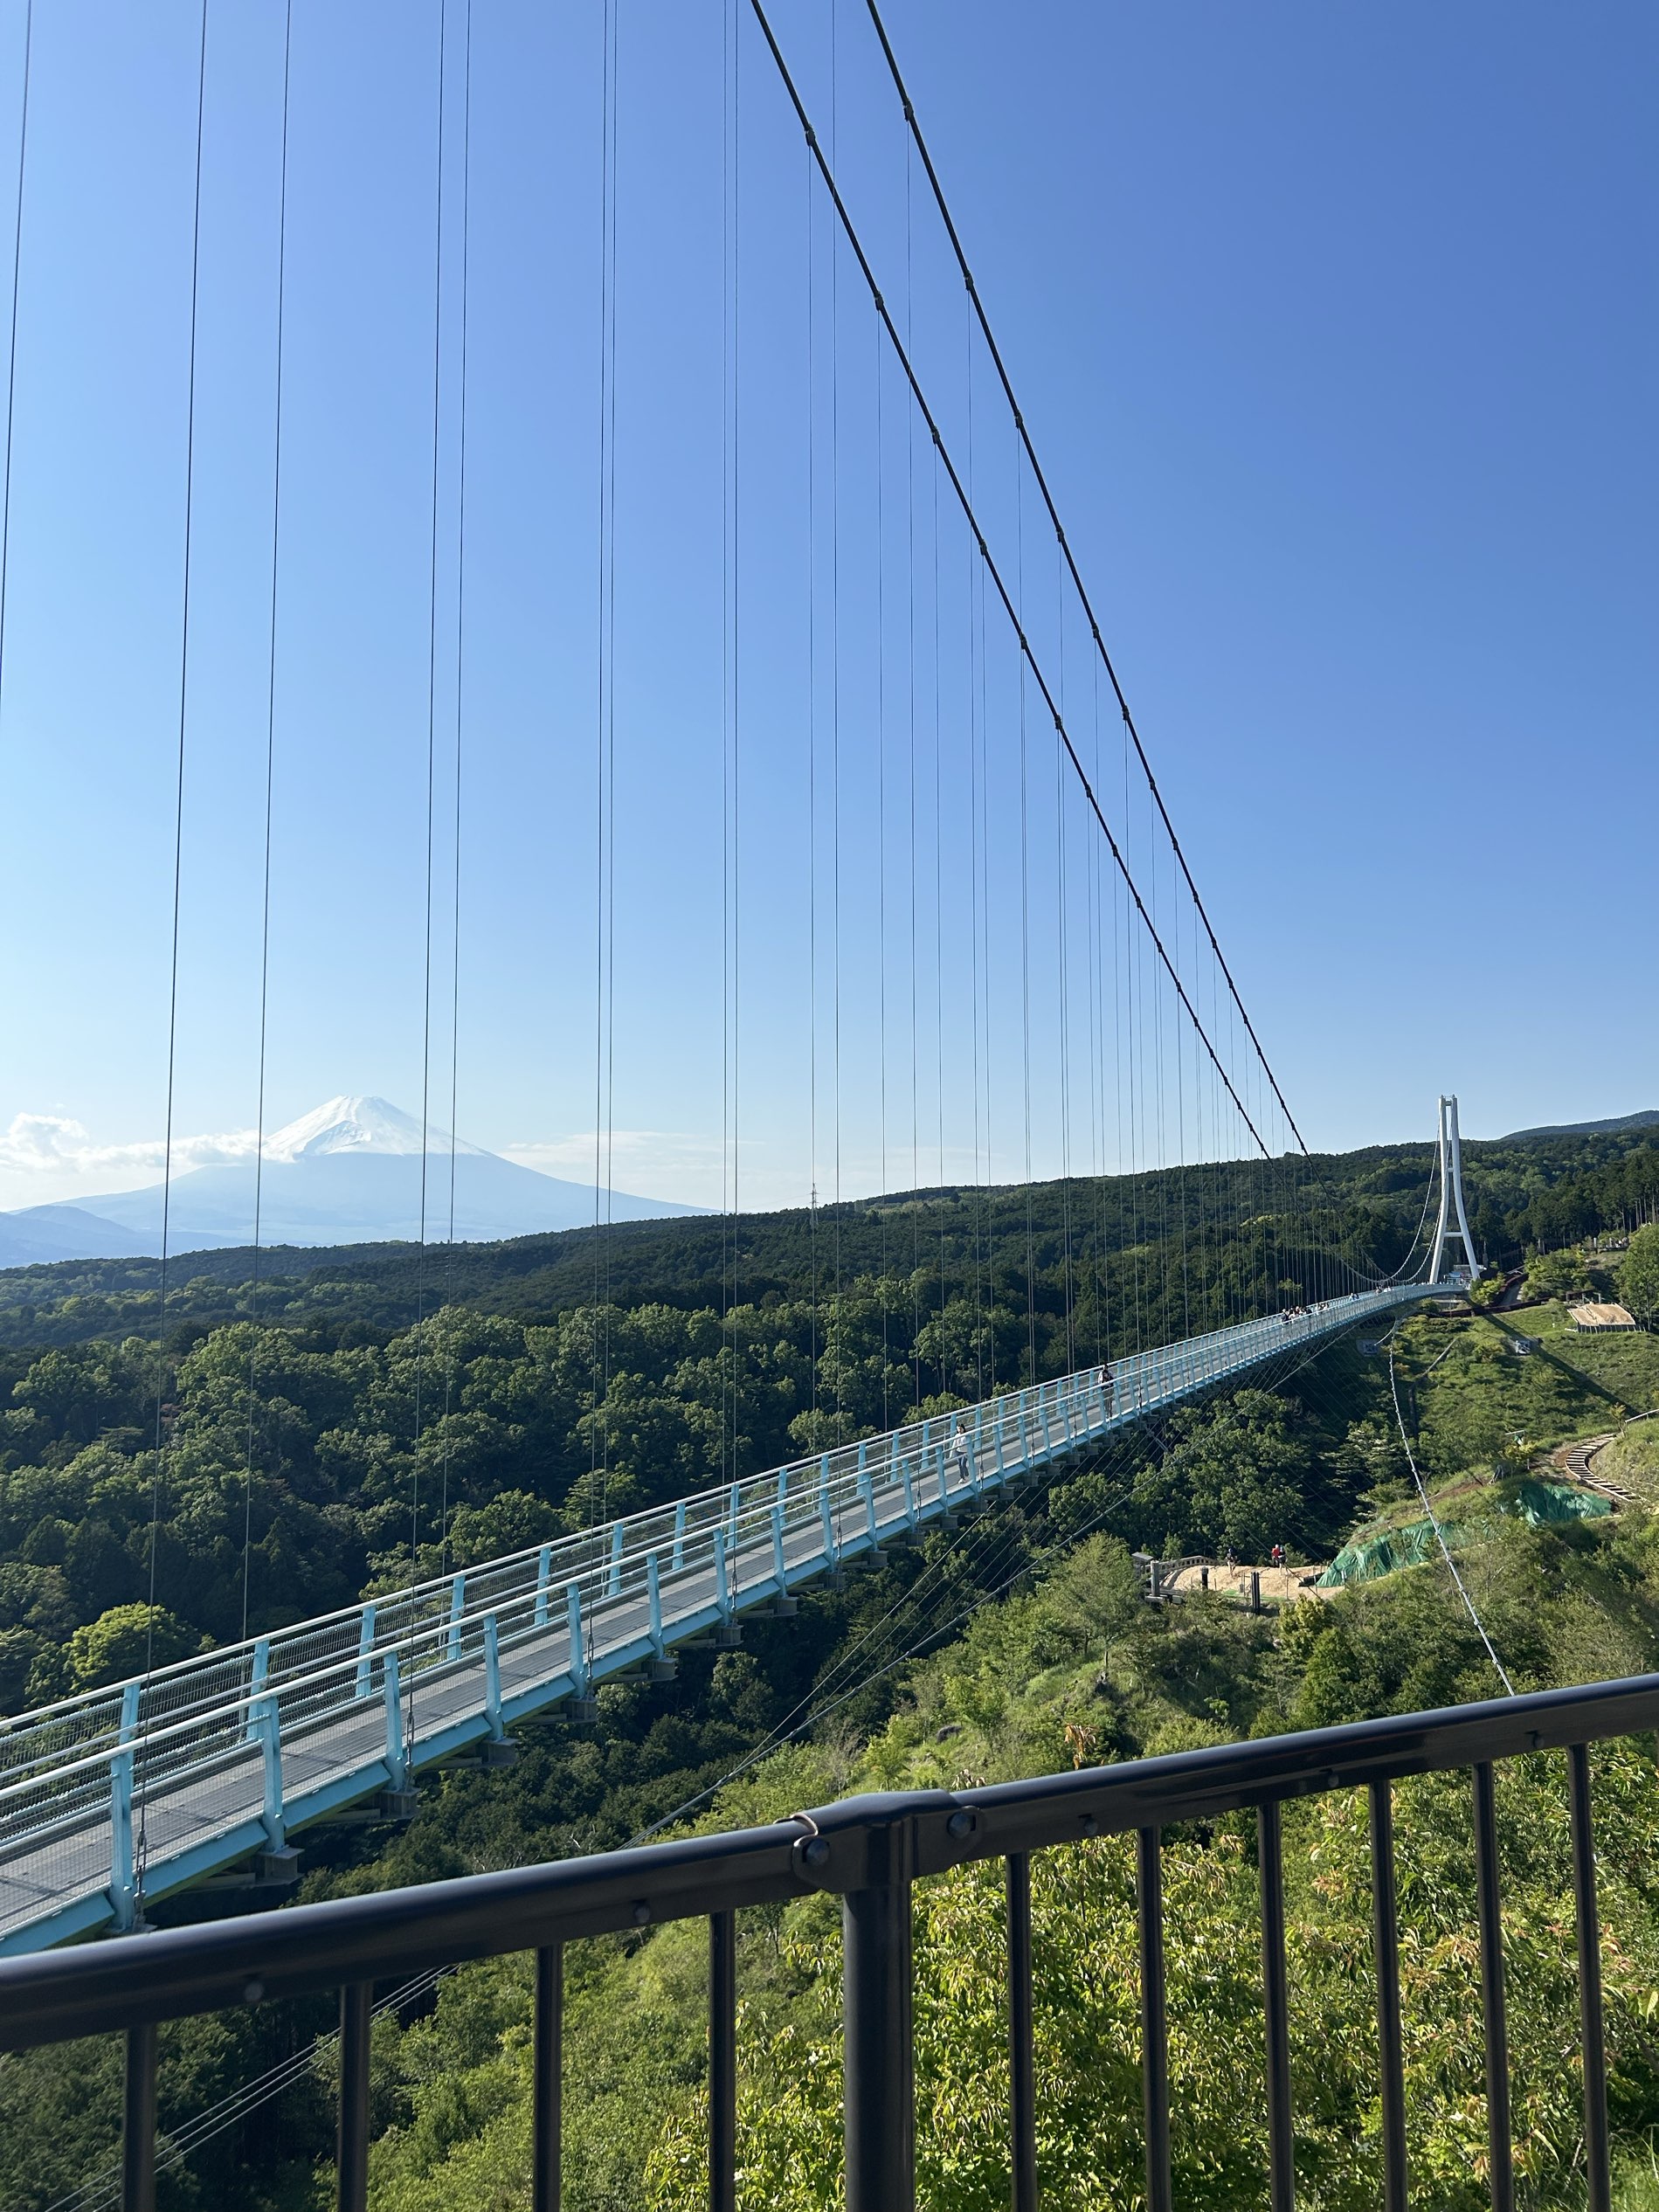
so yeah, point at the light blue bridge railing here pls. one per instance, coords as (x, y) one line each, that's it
(146, 1787)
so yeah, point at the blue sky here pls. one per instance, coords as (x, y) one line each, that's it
(1336, 329)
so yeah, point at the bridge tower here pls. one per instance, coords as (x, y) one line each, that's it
(1453, 1222)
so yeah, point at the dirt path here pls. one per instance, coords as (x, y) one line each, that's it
(1280, 1585)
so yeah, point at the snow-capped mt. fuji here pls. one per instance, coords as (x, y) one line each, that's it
(348, 1172)
(361, 1125)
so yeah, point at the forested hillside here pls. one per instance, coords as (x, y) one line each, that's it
(1173, 1242)
(277, 1438)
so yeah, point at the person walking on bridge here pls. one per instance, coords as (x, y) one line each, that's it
(962, 1456)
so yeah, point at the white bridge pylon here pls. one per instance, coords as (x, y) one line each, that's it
(1452, 1221)
(134, 1791)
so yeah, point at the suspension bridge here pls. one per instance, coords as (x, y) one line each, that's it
(231, 1753)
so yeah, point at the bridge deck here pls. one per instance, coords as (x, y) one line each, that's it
(142, 1788)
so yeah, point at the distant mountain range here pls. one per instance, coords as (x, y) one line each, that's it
(348, 1172)
(1649, 1118)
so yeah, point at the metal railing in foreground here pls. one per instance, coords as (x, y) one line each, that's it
(870, 1851)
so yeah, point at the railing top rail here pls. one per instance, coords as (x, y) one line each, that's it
(50, 1996)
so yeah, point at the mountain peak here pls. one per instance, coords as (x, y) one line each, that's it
(349, 1124)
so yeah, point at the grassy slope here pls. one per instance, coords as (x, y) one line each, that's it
(1473, 1398)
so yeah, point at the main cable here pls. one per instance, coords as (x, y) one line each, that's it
(991, 567)
(995, 351)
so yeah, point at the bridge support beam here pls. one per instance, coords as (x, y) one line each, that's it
(654, 1596)
(271, 1766)
(492, 1678)
(123, 1874)
(259, 1674)
(397, 1758)
(578, 1659)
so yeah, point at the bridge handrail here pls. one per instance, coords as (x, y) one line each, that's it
(610, 1573)
(1004, 1408)
(1127, 1367)
(436, 1586)
(445, 1618)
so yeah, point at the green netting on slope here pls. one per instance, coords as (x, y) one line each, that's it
(1387, 1550)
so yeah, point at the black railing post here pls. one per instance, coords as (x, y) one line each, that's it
(351, 2144)
(1384, 1925)
(1155, 2055)
(878, 2091)
(1022, 2073)
(546, 2121)
(1500, 2159)
(723, 2062)
(1590, 2025)
(138, 2122)
(1275, 2006)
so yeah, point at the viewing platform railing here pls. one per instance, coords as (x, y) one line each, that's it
(870, 1851)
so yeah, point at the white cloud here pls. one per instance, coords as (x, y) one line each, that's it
(40, 1140)
(45, 1157)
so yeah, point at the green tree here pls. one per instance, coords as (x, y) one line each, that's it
(1561, 1274)
(126, 1640)
(1639, 1274)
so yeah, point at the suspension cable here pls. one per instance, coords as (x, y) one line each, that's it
(141, 1844)
(1027, 652)
(432, 765)
(460, 702)
(1439, 1533)
(11, 347)
(270, 780)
